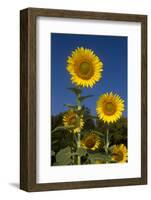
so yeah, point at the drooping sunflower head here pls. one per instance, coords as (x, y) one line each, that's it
(71, 119)
(84, 67)
(91, 141)
(109, 107)
(119, 153)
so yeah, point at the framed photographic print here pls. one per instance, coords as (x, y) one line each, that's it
(83, 99)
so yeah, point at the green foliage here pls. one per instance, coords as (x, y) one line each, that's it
(63, 157)
(76, 91)
(118, 130)
(71, 106)
(66, 146)
(99, 133)
(81, 152)
(64, 143)
(60, 128)
(52, 153)
(89, 121)
(82, 98)
(56, 120)
(102, 157)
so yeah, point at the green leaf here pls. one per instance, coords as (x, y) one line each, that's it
(111, 148)
(81, 152)
(99, 133)
(91, 117)
(75, 90)
(99, 156)
(70, 106)
(80, 112)
(63, 157)
(82, 98)
(52, 153)
(54, 141)
(60, 128)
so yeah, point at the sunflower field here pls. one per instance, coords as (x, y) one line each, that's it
(77, 137)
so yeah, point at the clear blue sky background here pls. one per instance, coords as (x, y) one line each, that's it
(112, 50)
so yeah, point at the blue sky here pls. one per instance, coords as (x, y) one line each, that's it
(112, 50)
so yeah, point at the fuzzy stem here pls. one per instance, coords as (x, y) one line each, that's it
(107, 139)
(107, 142)
(78, 134)
(78, 146)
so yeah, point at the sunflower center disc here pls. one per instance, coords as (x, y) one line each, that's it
(90, 143)
(85, 68)
(119, 156)
(110, 108)
(73, 120)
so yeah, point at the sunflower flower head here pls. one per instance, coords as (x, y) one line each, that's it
(119, 153)
(91, 141)
(71, 119)
(109, 107)
(84, 67)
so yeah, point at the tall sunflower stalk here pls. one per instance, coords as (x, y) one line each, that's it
(109, 109)
(79, 133)
(107, 141)
(85, 69)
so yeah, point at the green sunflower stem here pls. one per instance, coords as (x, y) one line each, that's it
(107, 142)
(78, 102)
(79, 133)
(78, 146)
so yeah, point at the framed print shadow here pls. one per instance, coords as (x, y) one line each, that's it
(83, 99)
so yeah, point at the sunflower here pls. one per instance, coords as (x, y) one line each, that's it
(91, 141)
(109, 107)
(84, 67)
(119, 153)
(70, 118)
